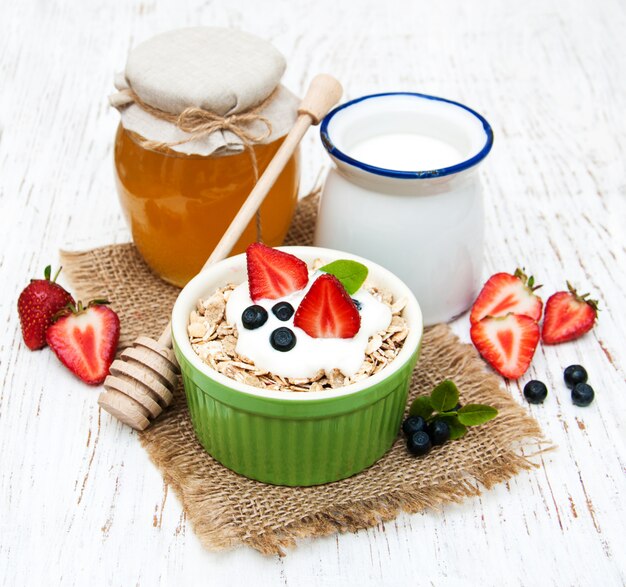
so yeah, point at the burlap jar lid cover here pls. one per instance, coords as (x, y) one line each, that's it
(222, 81)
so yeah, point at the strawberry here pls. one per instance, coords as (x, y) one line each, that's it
(327, 311)
(273, 274)
(504, 293)
(568, 316)
(507, 343)
(85, 339)
(39, 301)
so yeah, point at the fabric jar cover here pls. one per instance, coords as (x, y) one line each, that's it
(223, 71)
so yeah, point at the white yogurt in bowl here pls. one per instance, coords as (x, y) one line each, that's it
(309, 355)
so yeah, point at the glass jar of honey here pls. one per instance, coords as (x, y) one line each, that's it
(181, 185)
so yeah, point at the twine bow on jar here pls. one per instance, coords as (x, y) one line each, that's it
(199, 123)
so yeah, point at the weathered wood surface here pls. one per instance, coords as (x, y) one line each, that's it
(79, 501)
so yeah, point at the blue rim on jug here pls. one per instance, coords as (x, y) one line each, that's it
(426, 174)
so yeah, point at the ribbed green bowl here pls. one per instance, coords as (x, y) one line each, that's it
(290, 438)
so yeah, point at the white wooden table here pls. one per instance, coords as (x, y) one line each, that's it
(80, 503)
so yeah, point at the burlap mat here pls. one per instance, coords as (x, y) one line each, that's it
(227, 510)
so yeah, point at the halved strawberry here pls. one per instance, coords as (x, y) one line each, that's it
(504, 293)
(507, 343)
(568, 316)
(273, 274)
(327, 311)
(39, 301)
(85, 340)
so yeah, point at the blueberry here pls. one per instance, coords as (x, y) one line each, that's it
(456, 408)
(573, 375)
(419, 443)
(283, 339)
(582, 394)
(535, 391)
(254, 317)
(413, 424)
(358, 304)
(283, 311)
(439, 432)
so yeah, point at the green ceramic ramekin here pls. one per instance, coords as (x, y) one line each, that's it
(291, 438)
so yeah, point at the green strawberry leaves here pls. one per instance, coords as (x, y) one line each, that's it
(442, 405)
(47, 274)
(352, 274)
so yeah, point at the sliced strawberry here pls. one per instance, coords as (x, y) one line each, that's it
(327, 311)
(39, 301)
(504, 293)
(507, 343)
(568, 316)
(85, 340)
(273, 274)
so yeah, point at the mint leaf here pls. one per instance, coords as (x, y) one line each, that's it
(457, 430)
(351, 273)
(421, 407)
(445, 396)
(475, 414)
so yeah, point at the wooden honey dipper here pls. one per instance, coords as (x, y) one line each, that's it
(141, 382)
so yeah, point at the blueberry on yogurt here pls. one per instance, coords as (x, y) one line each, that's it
(358, 304)
(283, 311)
(254, 317)
(283, 339)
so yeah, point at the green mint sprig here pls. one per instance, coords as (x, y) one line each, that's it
(352, 274)
(443, 404)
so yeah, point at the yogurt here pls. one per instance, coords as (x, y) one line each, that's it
(309, 355)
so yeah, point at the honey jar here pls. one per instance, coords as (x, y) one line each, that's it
(202, 114)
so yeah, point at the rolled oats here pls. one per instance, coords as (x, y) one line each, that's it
(196, 329)
(336, 378)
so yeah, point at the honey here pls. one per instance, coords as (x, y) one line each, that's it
(178, 206)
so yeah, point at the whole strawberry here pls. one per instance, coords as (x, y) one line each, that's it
(40, 300)
(568, 315)
(85, 339)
